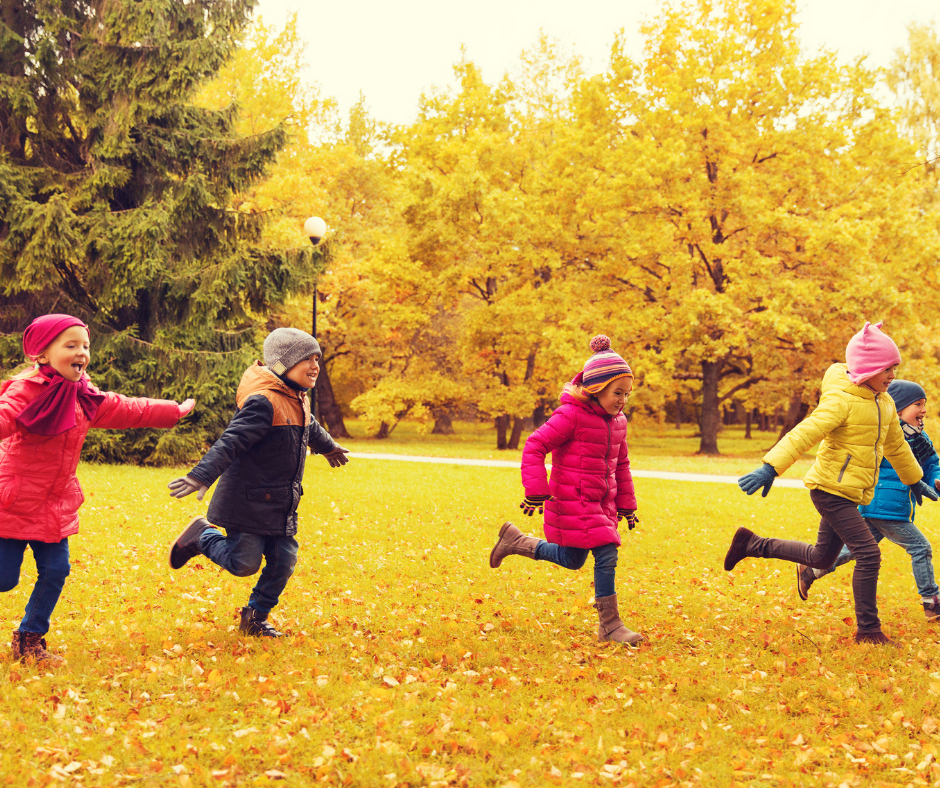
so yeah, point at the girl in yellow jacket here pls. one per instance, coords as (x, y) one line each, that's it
(857, 423)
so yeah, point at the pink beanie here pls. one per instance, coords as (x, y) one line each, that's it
(40, 333)
(869, 352)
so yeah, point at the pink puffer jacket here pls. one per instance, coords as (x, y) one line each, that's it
(39, 492)
(590, 473)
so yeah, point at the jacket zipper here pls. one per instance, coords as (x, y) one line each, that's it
(877, 437)
(606, 455)
(845, 465)
(303, 445)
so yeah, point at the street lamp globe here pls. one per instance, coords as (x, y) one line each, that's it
(315, 228)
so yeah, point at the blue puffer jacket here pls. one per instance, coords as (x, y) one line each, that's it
(893, 499)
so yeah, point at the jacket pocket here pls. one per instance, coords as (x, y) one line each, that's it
(72, 498)
(845, 465)
(275, 496)
(9, 486)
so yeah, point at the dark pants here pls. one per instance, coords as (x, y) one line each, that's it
(605, 563)
(52, 567)
(841, 524)
(241, 554)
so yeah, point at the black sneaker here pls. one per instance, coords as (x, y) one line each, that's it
(186, 544)
(805, 577)
(256, 625)
(932, 609)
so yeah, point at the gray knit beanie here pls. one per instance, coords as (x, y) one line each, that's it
(284, 347)
(904, 393)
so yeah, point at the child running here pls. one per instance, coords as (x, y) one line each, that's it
(858, 425)
(260, 458)
(591, 488)
(45, 414)
(891, 513)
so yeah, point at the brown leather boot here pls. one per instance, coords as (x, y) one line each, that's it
(512, 542)
(610, 627)
(30, 647)
(186, 545)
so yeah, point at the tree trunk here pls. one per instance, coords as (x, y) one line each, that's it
(516, 435)
(711, 411)
(502, 424)
(747, 424)
(679, 413)
(383, 431)
(538, 416)
(796, 412)
(443, 425)
(330, 412)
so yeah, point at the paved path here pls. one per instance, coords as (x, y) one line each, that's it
(637, 474)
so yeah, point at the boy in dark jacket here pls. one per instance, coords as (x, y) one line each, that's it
(259, 462)
(891, 513)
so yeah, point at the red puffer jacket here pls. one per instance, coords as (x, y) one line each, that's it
(39, 492)
(590, 473)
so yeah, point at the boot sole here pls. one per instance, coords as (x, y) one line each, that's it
(187, 530)
(502, 530)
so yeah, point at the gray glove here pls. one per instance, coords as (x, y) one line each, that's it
(185, 485)
(921, 491)
(337, 457)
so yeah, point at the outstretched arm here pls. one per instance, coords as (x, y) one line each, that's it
(249, 425)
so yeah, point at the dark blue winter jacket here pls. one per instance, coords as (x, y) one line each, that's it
(893, 499)
(259, 459)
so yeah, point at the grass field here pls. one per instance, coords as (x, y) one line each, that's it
(411, 662)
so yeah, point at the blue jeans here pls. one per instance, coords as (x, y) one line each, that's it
(241, 554)
(908, 536)
(52, 567)
(605, 562)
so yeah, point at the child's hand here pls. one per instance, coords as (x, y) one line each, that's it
(337, 457)
(186, 407)
(921, 491)
(762, 477)
(533, 502)
(185, 485)
(630, 516)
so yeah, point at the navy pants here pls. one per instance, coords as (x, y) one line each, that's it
(605, 563)
(241, 554)
(52, 567)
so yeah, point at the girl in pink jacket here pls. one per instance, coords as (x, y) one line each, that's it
(591, 488)
(45, 413)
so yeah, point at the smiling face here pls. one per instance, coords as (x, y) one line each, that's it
(304, 373)
(614, 395)
(69, 353)
(914, 413)
(880, 382)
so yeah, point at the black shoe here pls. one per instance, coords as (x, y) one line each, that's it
(254, 624)
(738, 548)
(932, 609)
(805, 577)
(187, 543)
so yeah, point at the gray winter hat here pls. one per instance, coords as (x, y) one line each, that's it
(284, 347)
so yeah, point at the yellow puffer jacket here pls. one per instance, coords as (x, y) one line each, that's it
(857, 428)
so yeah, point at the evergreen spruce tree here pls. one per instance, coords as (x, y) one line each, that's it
(115, 203)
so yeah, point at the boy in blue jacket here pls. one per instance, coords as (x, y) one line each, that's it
(891, 513)
(259, 462)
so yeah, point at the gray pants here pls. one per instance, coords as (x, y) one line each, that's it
(841, 524)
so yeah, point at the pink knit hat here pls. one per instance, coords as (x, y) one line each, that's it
(869, 352)
(40, 333)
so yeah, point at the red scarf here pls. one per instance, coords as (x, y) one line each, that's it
(53, 411)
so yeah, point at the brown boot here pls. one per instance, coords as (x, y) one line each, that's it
(738, 548)
(186, 545)
(30, 647)
(255, 624)
(512, 542)
(611, 628)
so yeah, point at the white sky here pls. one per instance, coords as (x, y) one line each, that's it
(394, 51)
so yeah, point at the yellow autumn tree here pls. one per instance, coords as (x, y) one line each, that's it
(744, 208)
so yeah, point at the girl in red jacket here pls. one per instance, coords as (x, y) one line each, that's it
(591, 488)
(45, 413)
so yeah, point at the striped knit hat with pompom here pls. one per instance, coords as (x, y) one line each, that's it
(601, 368)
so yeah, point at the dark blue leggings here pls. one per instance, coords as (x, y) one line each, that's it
(605, 563)
(52, 567)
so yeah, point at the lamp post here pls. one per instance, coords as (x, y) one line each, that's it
(315, 228)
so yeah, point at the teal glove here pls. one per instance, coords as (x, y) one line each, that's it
(762, 477)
